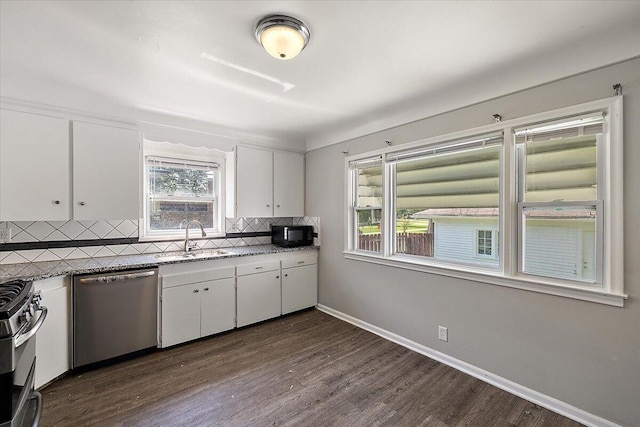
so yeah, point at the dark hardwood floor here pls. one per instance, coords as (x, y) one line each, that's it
(306, 369)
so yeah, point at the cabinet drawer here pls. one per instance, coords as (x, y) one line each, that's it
(260, 267)
(171, 280)
(299, 261)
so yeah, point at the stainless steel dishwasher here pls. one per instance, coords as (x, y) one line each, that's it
(114, 314)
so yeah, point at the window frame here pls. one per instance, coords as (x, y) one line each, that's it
(610, 193)
(182, 154)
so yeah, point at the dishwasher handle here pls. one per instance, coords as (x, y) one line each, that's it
(116, 277)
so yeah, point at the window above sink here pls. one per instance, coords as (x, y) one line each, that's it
(181, 184)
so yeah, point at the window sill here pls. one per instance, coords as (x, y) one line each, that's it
(495, 278)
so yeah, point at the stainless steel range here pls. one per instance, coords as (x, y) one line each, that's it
(21, 315)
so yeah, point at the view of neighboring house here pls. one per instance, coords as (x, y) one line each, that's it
(559, 243)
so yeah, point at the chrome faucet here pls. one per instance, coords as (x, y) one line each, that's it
(187, 248)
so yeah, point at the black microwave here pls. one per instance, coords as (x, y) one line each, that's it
(292, 235)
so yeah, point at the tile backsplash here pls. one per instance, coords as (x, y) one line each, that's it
(56, 231)
(48, 231)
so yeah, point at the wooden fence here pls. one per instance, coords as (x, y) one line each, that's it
(406, 243)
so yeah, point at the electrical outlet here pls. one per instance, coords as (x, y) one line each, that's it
(443, 333)
(5, 235)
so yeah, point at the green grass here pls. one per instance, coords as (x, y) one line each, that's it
(410, 226)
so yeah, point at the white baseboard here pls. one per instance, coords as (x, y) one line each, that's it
(533, 396)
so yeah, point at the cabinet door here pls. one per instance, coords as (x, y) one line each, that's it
(288, 184)
(258, 297)
(180, 314)
(254, 182)
(106, 164)
(34, 167)
(52, 340)
(299, 288)
(217, 306)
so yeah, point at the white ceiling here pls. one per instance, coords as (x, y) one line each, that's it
(370, 65)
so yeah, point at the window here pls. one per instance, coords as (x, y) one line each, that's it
(179, 192)
(559, 205)
(367, 204)
(181, 184)
(533, 203)
(487, 243)
(442, 194)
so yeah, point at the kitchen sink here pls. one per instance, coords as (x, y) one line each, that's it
(205, 253)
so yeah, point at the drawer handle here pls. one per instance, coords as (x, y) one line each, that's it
(206, 289)
(259, 268)
(300, 262)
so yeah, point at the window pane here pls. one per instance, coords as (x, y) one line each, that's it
(442, 200)
(560, 242)
(174, 215)
(484, 243)
(181, 191)
(177, 181)
(369, 190)
(368, 229)
(559, 160)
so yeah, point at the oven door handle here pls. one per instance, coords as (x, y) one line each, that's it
(35, 395)
(29, 333)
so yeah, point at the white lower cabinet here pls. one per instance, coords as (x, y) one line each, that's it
(299, 283)
(195, 304)
(52, 340)
(258, 292)
(207, 297)
(217, 306)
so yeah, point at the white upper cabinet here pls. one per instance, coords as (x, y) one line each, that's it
(268, 184)
(254, 182)
(288, 184)
(106, 178)
(34, 167)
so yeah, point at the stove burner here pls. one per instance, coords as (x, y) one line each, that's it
(9, 292)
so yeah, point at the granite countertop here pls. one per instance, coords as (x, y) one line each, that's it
(47, 269)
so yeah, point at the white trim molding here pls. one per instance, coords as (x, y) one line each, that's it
(502, 383)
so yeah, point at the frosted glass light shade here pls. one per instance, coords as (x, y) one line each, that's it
(282, 42)
(283, 37)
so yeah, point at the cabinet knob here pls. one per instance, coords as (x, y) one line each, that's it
(206, 289)
(286, 275)
(277, 206)
(277, 277)
(82, 203)
(268, 205)
(195, 291)
(56, 202)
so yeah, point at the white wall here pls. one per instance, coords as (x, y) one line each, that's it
(582, 353)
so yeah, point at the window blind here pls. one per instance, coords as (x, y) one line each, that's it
(586, 124)
(449, 147)
(180, 164)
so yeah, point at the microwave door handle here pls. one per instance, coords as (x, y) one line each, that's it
(29, 333)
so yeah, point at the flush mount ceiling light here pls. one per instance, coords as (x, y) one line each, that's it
(283, 37)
